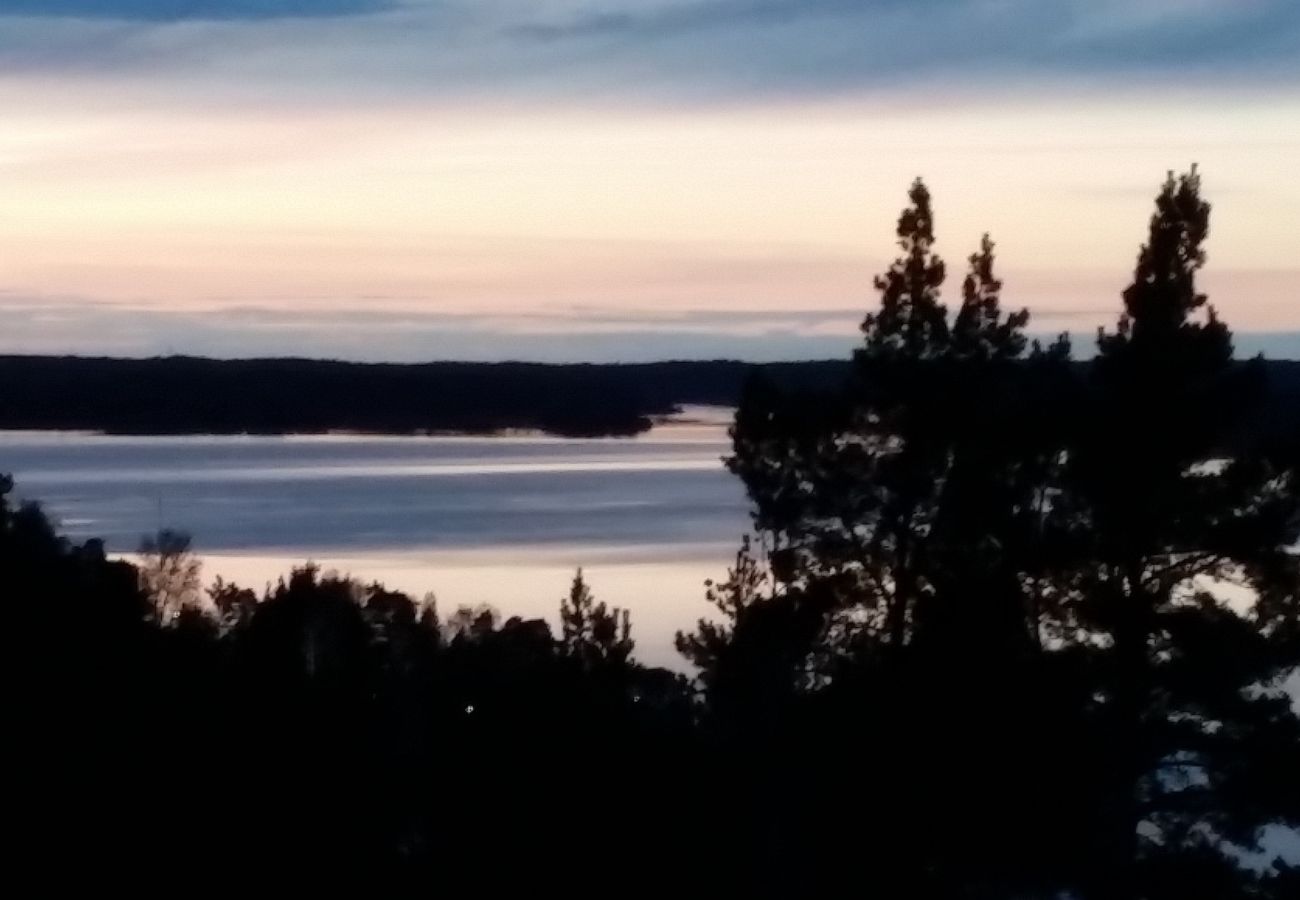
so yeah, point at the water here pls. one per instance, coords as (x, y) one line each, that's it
(499, 520)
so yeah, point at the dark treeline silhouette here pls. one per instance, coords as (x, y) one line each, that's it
(329, 732)
(1010, 626)
(186, 395)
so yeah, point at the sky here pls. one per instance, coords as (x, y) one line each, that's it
(615, 180)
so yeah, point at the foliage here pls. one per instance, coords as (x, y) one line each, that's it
(972, 509)
(591, 633)
(170, 574)
(321, 730)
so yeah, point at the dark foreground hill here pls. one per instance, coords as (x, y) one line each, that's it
(188, 395)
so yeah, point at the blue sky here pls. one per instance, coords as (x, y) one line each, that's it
(566, 179)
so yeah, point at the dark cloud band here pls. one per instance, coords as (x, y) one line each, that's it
(177, 10)
(633, 51)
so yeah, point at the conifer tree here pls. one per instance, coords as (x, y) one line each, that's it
(1170, 514)
(590, 632)
(911, 321)
(851, 490)
(745, 658)
(906, 517)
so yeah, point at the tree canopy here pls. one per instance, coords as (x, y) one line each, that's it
(1026, 590)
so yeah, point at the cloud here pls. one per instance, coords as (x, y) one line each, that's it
(179, 10)
(43, 327)
(71, 326)
(680, 18)
(651, 51)
(847, 39)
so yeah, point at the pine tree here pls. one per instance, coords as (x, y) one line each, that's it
(592, 633)
(905, 515)
(911, 321)
(980, 331)
(746, 657)
(852, 490)
(1168, 512)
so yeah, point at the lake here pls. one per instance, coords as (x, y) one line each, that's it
(503, 520)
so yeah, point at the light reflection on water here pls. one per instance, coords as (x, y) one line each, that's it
(500, 520)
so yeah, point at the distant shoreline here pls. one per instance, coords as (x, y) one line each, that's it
(278, 397)
(180, 396)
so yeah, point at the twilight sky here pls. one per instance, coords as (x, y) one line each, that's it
(608, 179)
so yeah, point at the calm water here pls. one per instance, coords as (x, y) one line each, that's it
(501, 520)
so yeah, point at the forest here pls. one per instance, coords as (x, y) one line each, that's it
(191, 395)
(1010, 624)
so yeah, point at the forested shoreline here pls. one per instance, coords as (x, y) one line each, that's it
(192, 395)
(1010, 625)
(189, 395)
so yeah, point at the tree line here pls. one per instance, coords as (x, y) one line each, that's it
(190, 395)
(1009, 626)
